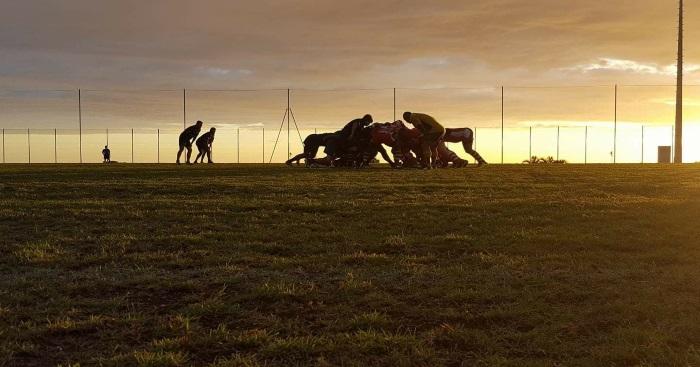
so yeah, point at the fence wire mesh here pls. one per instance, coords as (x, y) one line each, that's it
(579, 124)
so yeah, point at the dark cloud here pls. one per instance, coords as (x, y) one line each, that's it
(312, 43)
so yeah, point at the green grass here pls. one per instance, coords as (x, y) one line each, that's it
(255, 265)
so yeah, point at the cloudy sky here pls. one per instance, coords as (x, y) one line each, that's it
(122, 53)
(332, 44)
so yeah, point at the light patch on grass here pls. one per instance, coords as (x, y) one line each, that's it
(457, 237)
(159, 359)
(284, 288)
(236, 360)
(361, 257)
(397, 240)
(502, 260)
(39, 252)
(370, 321)
(352, 282)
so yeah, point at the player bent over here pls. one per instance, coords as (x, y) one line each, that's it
(204, 146)
(186, 139)
(432, 132)
(311, 145)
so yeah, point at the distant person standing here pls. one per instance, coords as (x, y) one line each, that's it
(106, 155)
(204, 146)
(188, 137)
(431, 134)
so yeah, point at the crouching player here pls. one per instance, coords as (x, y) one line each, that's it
(204, 145)
(311, 145)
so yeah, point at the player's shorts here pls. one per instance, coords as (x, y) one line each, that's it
(202, 147)
(433, 138)
(185, 142)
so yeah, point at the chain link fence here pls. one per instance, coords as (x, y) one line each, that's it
(579, 124)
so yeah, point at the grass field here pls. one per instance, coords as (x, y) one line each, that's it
(224, 265)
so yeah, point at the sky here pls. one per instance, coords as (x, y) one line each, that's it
(354, 44)
(134, 52)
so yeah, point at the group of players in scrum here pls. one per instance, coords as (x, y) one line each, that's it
(358, 143)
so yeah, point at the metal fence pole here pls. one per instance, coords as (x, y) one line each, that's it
(558, 128)
(585, 146)
(263, 144)
(673, 142)
(642, 144)
(132, 145)
(615, 130)
(80, 125)
(29, 148)
(289, 150)
(394, 104)
(107, 136)
(3, 145)
(238, 145)
(157, 145)
(55, 150)
(502, 123)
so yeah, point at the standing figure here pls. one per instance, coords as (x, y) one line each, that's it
(204, 146)
(106, 155)
(431, 134)
(188, 137)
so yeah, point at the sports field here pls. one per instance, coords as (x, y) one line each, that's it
(226, 265)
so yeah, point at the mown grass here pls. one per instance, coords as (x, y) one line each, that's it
(254, 265)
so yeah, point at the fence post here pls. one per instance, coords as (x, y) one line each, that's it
(55, 150)
(184, 108)
(80, 125)
(673, 142)
(107, 136)
(263, 144)
(642, 144)
(29, 148)
(289, 112)
(558, 128)
(238, 145)
(502, 123)
(3, 145)
(615, 130)
(132, 145)
(394, 104)
(585, 146)
(157, 145)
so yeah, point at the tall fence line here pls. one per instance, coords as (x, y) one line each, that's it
(576, 144)
(469, 96)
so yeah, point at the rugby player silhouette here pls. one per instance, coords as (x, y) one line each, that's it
(188, 137)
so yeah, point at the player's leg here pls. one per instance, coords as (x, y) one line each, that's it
(200, 154)
(188, 153)
(468, 147)
(295, 159)
(179, 153)
(426, 153)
